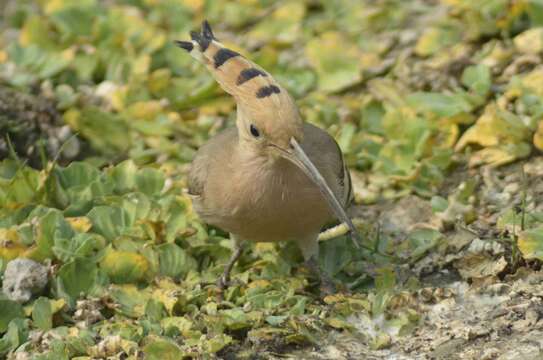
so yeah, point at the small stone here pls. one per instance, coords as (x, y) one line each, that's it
(88, 312)
(490, 353)
(23, 279)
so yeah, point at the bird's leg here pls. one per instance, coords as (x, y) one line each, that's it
(326, 286)
(224, 279)
(310, 251)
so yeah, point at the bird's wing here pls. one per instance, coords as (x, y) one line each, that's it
(323, 150)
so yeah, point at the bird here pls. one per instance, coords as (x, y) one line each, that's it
(273, 177)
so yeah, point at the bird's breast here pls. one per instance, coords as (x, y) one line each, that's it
(269, 202)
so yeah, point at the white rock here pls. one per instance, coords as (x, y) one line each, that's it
(23, 279)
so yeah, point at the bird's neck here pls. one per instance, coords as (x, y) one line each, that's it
(252, 154)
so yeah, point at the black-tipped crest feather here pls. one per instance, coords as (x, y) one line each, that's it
(201, 40)
(187, 45)
(206, 31)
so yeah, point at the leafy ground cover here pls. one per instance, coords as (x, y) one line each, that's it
(437, 106)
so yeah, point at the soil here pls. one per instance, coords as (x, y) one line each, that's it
(476, 301)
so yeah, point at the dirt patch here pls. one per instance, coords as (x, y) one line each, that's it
(476, 300)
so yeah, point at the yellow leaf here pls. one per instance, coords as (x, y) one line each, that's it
(141, 65)
(159, 80)
(338, 323)
(283, 25)
(499, 55)
(332, 299)
(530, 243)
(260, 283)
(9, 236)
(71, 117)
(446, 138)
(50, 6)
(12, 252)
(434, 39)
(35, 30)
(194, 5)
(532, 81)
(10, 244)
(125, 266)
(167, 292)
(57, 305)
(182, 324)
(530, 41)
(538, 136)
(68, 54)
(118, 97)
(80, 224)
(495, 128)
(146, 110)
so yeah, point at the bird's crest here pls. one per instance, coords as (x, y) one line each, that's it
(255, 91)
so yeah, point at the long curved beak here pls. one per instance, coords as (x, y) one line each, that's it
(298, 157)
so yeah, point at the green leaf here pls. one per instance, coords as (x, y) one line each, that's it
(9, 310)
(174, 261)
(478, 79)
(136, 205)
(440, 104)
(77, 174)
(110, 221)
(75, 20)
(52, 225)
(422, 240)
(107, 132)
(124, 176)
(155, 310)
(42, 313)
(82, 245)
(16, 335)
(180, 323)
(335, 254)
(162, 350)
(235, 319)
(150, 181)
(385, 279)
(131, 300)
(177, 219)
(276, 320)
(216, 343)
(439, 204)
(75, 278)
(335, 72)
(19, 189)
(283, 25)
(434, 39)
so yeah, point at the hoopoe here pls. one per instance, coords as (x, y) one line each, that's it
(273, 177)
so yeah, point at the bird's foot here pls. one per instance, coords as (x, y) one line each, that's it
(327, 286)
(223, 282)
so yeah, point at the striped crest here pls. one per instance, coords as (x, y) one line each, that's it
(256, 92)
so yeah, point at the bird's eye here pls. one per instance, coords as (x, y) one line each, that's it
(254, 131)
